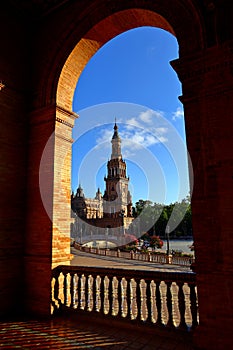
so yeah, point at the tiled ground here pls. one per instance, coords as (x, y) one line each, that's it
(68, 333)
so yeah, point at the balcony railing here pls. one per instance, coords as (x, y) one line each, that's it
(167, 299)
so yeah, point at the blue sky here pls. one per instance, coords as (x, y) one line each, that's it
(130, 79)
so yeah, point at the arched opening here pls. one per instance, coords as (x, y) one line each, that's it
(62, 75)
(99, 34)
(133, 67)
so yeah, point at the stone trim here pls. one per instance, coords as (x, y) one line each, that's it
(66, 112)
(62, 121)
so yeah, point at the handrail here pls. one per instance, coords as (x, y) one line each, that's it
(150, 297)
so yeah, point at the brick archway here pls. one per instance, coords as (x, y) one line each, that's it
(39, 42)
(87, 46)
(75, 45)
(59, 59)
(81, 32)
(201, 80)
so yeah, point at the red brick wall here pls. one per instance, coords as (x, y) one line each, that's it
(31, 65)
(13, 154)
(208, 103)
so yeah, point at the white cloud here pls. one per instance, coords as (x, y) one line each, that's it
(105, 136)
(146, 116)
(131, 123)
(161, 130)
(149, 115)
(178, 114)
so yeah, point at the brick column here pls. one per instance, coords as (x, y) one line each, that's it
(62, 187)
(47, 242)
(208, 104)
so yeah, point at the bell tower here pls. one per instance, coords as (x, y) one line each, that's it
(117, 196)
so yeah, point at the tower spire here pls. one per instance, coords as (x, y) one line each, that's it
(116, 144)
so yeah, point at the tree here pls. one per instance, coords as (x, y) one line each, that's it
(157, 215)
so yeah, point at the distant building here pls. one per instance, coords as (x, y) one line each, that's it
(114, 208)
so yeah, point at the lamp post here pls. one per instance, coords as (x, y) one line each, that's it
(122, 214)
(167, 236)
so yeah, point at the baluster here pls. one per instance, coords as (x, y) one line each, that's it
(110, 295)
(52, 294)
(148, 302)
(56, 288)
(194, 308)
(138, 299)
(119, 296)
(75, 290)
(169, 305)
(158, 304)
(102, 294)
(181, 299)
(56, 302)
(90, 293)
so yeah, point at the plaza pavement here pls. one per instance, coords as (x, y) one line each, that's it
(69, 333)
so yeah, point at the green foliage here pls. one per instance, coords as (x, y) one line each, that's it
(179, 213)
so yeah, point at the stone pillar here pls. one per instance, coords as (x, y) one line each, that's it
(208, 105)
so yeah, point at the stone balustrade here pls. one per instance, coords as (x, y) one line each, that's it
(160, 258)
(167, 299)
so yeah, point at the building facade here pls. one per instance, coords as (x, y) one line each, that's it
(111, 210)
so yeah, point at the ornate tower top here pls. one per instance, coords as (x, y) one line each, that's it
(79, 192)
(116, 144)
(115, 135)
